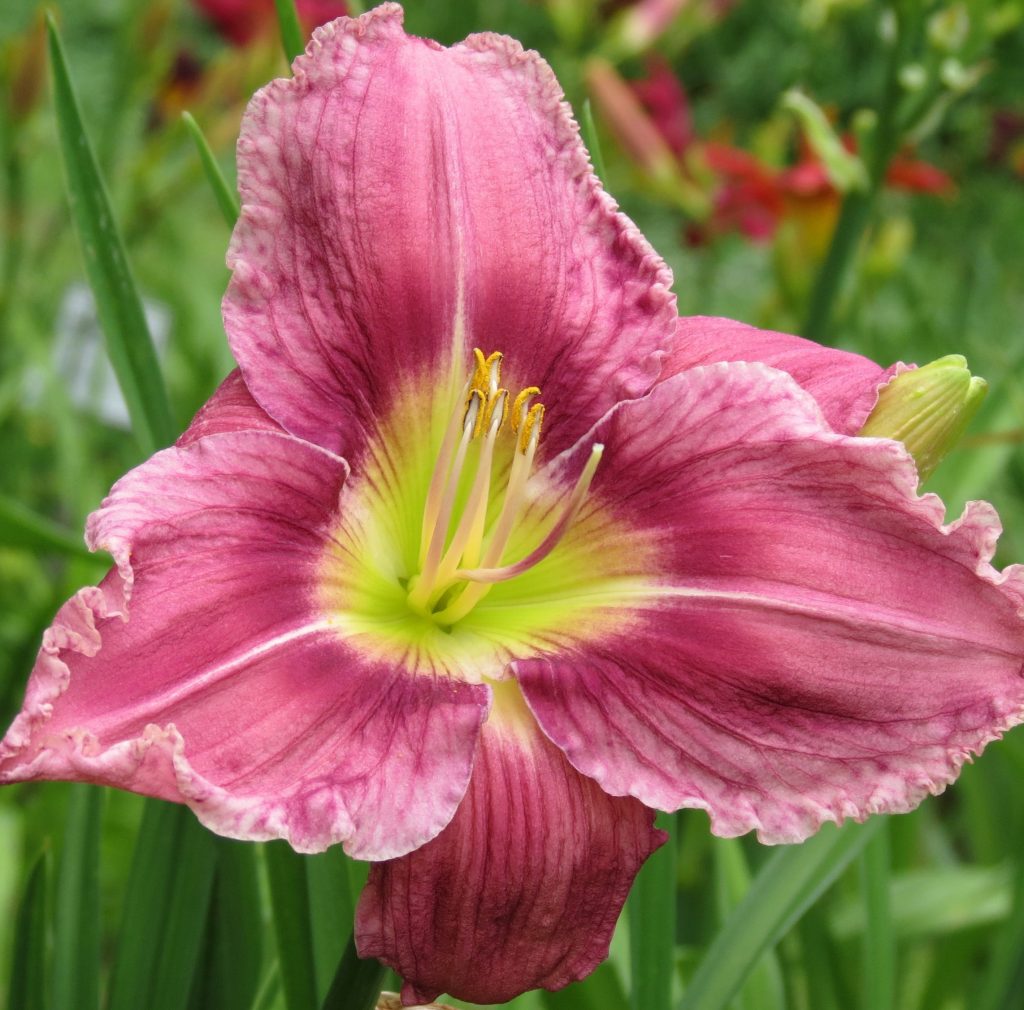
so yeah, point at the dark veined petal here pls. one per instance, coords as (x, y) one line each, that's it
(231, 408)
(402, 203)
(844, 384)
(810, 641)
(205, 669)
(522, 890)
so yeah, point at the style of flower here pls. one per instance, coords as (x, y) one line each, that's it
(385, 592)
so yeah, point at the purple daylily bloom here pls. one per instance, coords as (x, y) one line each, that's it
(367, 600)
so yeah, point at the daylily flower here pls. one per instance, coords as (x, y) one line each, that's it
(386, 593)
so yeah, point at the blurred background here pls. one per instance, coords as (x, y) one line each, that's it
(845, 169)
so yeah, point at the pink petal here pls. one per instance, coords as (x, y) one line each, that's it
(845, 385)
(204, 670)
(813, 643)
(522, 890)
(231, 408)
(404, 202)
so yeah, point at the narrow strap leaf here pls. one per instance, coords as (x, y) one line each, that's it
(20, 527)
(357, 983)
(76, 948)
(332, 907)
(291, 31)
(118, 304)
(764, 988)
(234, 961)
(790, 881)
(27, 989)
(145, 905)
(651, 908)
(289, 896)
(1004, 977)
(879, 942)
(186, 916)
(165, 902)
(225, 196)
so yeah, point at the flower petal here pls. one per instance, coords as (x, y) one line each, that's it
(404, 202)
(231, 408)
(522, 889)
(811, 643)
(845, 385)
(204, 671)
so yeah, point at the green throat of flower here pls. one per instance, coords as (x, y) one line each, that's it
(461, 553)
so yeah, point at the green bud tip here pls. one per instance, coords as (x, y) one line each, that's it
(928, 409)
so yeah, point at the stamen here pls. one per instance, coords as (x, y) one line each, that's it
(487, 373)
(424, 583)
(484, 577)
(440, 476)
(475, 511)
(522, 405)
(473, 555)
(529, 430)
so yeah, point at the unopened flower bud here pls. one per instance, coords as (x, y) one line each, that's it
(928, 409)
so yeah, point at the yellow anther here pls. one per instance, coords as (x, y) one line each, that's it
(529, 430)
(476, 405)
(500, 397)
(487, 372)
(520, 407)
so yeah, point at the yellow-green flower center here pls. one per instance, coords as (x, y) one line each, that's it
(453, 555)
(460, 555)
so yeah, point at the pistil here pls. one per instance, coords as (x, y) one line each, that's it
(452, 580)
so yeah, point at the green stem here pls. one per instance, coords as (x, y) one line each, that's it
(858, 204)
(357, 983)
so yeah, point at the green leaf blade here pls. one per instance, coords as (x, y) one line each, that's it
(187, 910)
(789, 883)
(290, 28)
(118, 305)
(289, 895)
(76, 953)
(21, 527)
(226, 198)
(27, 989)
(652, 926)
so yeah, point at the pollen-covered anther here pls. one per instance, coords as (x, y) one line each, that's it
(496, 405)
(521, 407)
(529, 430)
(487, 372)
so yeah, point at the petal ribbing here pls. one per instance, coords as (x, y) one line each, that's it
(813, 643)
(522, 889)
(204, 670)
(401, 204)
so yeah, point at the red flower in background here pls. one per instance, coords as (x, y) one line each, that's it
(748, 195)
(241, 21)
